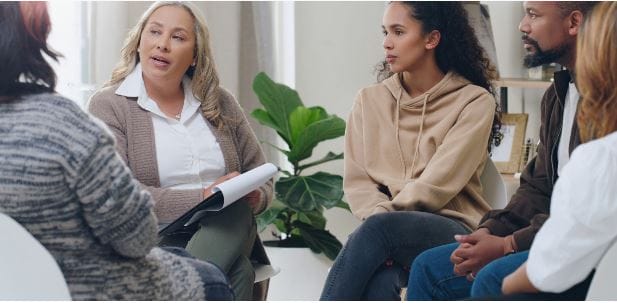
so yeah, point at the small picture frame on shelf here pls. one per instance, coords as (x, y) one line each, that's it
(507, 155)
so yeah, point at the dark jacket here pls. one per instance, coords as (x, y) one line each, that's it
(530, 205)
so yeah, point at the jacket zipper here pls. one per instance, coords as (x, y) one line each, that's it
(558, 136)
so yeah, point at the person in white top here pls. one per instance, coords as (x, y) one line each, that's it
(583, 221)
(181, 134)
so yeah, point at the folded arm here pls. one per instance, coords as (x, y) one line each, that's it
(462, 151)
(529, 206)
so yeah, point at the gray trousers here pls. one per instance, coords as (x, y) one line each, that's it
(226, 239)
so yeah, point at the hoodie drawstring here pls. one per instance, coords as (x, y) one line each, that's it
(398, 114)
(415, 154)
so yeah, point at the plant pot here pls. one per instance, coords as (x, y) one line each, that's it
(303, 274)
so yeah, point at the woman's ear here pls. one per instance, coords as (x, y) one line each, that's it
(432, 39)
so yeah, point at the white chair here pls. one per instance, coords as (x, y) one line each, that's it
(602, 287)
(493, 187)
(27, 270)
(264, 271)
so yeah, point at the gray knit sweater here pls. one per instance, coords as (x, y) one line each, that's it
(61, 178)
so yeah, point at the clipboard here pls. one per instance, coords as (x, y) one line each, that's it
(223, 195)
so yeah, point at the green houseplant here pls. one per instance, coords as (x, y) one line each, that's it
(299, 202)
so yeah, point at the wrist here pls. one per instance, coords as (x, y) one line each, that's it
(509, 246)
(483, 230)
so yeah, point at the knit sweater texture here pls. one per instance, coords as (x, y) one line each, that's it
(61, 178)
(134, 131)
(423, 153)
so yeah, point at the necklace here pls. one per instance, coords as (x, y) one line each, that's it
(167, 110)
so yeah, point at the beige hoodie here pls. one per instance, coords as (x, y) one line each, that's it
(423, 154)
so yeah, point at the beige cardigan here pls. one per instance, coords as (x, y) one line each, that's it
(419, 154)
(134, 132)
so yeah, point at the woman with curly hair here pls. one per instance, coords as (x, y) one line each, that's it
(582, 224)
(415, 147)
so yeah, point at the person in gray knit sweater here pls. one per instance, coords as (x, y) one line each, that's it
(180, 133)
(61, 178)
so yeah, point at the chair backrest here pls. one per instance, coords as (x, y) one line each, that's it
(493, 187)
(27, 270)
(602, 287)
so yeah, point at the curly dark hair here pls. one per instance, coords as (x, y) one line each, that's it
(458, 50)
(24, 27)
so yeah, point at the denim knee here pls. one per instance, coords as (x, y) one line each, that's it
(490, 278)
(419, 264)
(421, 282)
(385, 284)
(487, 283)
(432, 276)
(377, 221)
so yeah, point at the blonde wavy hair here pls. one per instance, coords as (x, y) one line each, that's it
(595, 73)
(204, 78)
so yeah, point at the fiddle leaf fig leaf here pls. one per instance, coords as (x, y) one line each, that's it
(279, 102)
(267, 217)
(322, 130)
(307, 193)
(320, 240)
(301, 118)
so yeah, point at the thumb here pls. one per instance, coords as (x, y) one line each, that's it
(471, 239)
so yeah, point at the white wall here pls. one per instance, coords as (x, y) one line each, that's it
(69, 66)
(337, 46)
(107, 38)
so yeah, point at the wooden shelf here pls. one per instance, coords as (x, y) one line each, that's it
(523, 83)
(505, 83)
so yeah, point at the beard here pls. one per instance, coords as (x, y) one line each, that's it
(540, 56)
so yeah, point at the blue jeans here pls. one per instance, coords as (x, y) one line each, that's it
(372, 265)
(432, 276)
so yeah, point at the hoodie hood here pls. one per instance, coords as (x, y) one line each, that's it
(451, 82)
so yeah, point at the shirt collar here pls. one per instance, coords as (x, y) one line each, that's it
(133, 86)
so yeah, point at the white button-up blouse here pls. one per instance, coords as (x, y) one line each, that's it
(187, 153)
(583, 220)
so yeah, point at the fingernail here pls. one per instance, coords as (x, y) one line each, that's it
(457, 237)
